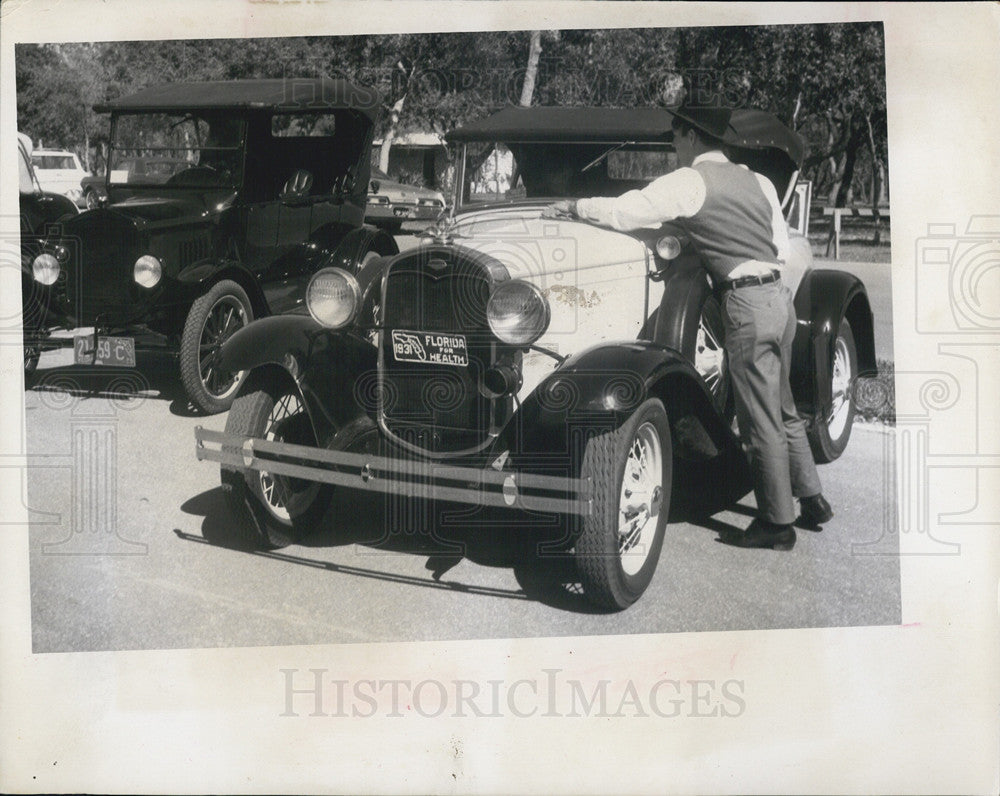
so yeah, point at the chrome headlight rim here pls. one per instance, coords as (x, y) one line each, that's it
(147, 271)
(350, 299)
(514, 332)
(45, 269)
(669, 247)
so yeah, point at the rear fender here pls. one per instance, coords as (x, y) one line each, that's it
(825, 297)
(335, 371)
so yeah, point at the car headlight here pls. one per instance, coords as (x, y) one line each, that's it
(518, 313)
(45, 269)
(147, 271)
(333, 297)
(668, 247)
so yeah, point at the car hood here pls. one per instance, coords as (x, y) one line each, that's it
(535, 247)
(159, 209)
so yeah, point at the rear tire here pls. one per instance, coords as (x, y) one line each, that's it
(273, 510)
(828, 435)
(619, 545)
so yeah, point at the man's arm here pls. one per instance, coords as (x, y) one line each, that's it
(679, 194)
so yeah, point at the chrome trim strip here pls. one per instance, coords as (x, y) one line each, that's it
(420, 479)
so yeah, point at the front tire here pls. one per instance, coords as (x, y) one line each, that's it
(619, 545)
(829, 433)
(280, 508)
(212, 319)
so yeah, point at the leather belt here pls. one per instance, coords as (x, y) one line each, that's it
(748, 281)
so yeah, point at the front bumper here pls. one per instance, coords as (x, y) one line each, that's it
(409, 478)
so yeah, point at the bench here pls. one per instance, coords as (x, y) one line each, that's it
(838, 213)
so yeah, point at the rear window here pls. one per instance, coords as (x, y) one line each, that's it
(53, 161)
(303, 125)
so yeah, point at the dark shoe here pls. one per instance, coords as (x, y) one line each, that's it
(815, 511)
(761, 533)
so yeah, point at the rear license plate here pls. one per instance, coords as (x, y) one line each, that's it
(401, 211)
(430, 348)
(114, 351)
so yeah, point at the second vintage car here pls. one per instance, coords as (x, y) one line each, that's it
(391, 203)
(222, 200)
(569, 376)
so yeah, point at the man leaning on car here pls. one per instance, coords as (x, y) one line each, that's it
(733, 216)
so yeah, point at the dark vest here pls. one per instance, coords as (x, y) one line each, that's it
(734, 224)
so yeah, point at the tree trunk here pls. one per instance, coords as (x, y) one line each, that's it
(390, 134)
(394, 113)
(531, 73)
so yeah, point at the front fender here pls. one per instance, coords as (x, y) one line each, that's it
(356, 243)
(603, 385)
(196, 278)
(825, 297)
(596, 390)
(334, 370)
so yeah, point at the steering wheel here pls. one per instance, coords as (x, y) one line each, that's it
(194, 176)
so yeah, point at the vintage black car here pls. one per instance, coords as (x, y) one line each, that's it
(539, 366)
(39, 210)
(223, 199)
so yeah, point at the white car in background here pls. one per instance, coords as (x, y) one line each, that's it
(59, 171)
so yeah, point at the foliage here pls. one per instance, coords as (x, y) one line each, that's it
(826, 81)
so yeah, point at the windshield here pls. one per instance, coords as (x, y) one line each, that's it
(176, 150)
(46, 162)
(498, 172)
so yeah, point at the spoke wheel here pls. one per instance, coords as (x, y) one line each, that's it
(831, 429)
(212, 320)
(273, 510)
(630, 471)
(710, 356)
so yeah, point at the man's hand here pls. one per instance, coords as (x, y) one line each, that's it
(565, 208)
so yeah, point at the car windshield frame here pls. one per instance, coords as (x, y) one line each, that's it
(121, 152)
(572, 170)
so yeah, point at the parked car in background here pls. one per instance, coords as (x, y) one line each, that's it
(59, 171)
(151, 171)
(570, 376)
(267, 184)
(39, 209)
(390, 203)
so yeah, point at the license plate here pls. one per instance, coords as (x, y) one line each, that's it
(430, 348)
(401, 211)
(114, 351)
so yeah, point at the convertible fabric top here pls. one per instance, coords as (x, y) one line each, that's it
(542, 124)
(750, 129)
(290, 94)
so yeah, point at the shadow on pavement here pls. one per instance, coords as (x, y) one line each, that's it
(154, 378)
(545, 573)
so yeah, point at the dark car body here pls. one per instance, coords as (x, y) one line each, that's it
(249, 184)
(39, 210)
(153, 171)
(571, 375)
(391, 203)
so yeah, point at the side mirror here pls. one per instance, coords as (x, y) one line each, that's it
(375, 185)
(297, 187)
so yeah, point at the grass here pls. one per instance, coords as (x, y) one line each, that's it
(875, 398)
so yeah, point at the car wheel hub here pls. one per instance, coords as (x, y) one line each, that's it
(840, 389)
(225, 317)
(641, 497)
